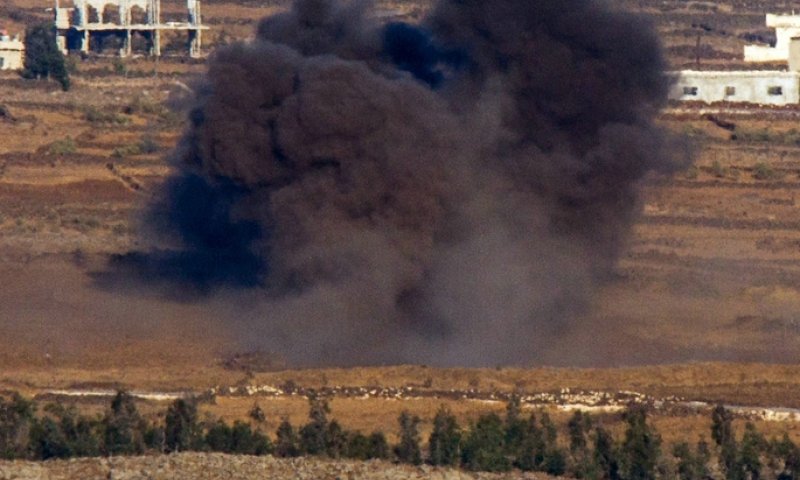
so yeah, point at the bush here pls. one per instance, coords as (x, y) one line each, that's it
(62, 147)
(762, 171)
(93, 114)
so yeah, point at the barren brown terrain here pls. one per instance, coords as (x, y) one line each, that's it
(708, 289)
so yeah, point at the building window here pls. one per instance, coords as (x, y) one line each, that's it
(2, 62)
(730, 91)
(690, 91)
(775, 90)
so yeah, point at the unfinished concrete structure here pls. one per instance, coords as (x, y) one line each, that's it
(11, 51)
(77, 21)
(786, 27)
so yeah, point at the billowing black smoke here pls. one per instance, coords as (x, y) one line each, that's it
(447, 193)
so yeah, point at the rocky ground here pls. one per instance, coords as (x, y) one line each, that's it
(215, 466)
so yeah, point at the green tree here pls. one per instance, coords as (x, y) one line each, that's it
(554, 461)
(753, 444)
(533, 446)
(335, 440)
(43, 59)
(691, 465)
(123, 427)
(378, 446)
(16, 417)
(642, 446)
(789, 456)
(218, 437)
(357, 446)
(605, 455)
(82, 434)
(722, 434)
(48, 441)
(408, 451)
(314, 434)
(246, 441)
(286, 444)
(484, 446)
(578, 429)
(181, 430)
(443, 443)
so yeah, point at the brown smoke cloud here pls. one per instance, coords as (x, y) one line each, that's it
(447, 193)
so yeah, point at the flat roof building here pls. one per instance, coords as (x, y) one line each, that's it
(11, 52)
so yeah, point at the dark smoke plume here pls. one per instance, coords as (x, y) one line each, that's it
(445, 193)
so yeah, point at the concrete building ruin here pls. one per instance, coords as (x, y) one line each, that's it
(11, 52)
(79, 22)
(766, 87)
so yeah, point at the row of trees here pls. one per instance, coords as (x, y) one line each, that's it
(490, 443)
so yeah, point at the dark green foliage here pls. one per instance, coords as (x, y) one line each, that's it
(579, 425)
(443, 443)
(181, 430)
(42, 56)
(48, 441)
(691, 465)
(530, 455)
(721, 429)
(245, 440)
(378, 446)
(515, 428)
(255, 413)
(641, 446)
(83, 435)
(753, 445)
(218, 437)
(605, 455)
(123, 427)
(154, 438)
(408, 451)
(722, 434)
(286, 444)
(484, 447)
(335, 440)
(788, 455)
(357, 446)
(578, 429)
(313, 435)
(16, 417)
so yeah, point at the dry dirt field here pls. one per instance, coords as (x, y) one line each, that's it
(708, 288)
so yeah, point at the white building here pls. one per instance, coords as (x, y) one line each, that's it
(786, 27)
(763, 87)
(11, 52)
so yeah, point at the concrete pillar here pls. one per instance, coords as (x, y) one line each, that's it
(126, 46)
(85, 37)
(794, 54)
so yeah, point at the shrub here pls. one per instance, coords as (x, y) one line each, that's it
(762, 171)
(314, 435)
(443, 443)
(62, 147)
